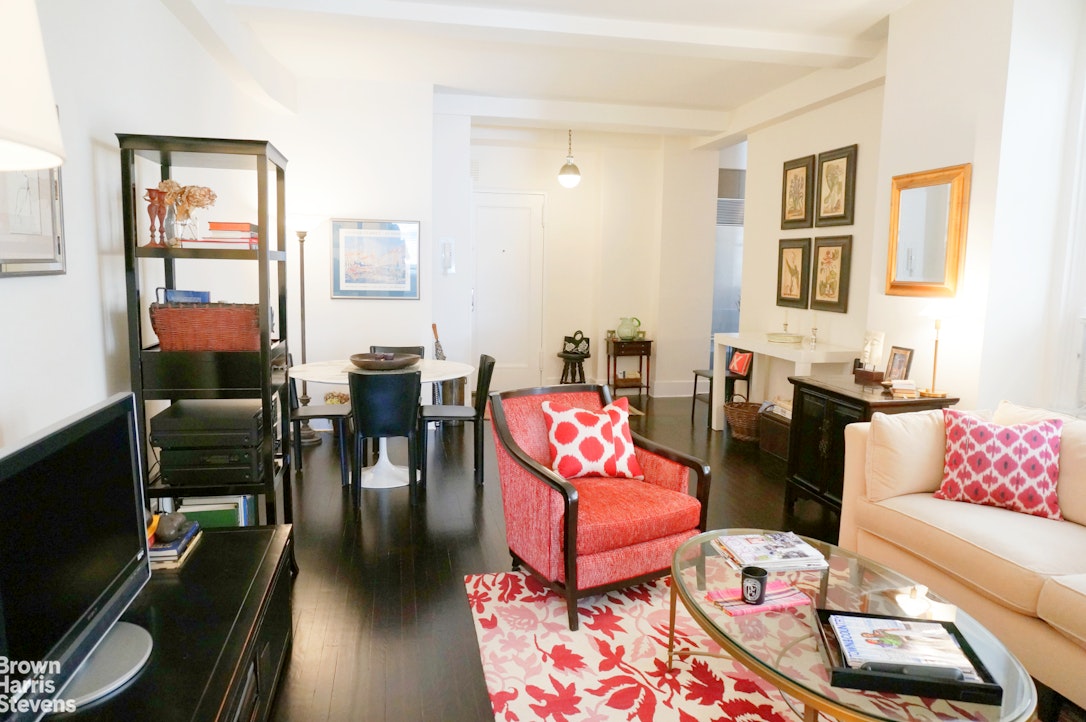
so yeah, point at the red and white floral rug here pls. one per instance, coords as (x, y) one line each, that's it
(613, 668)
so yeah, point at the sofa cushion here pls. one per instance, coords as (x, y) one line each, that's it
(1015, 467)
(905, 453)
(1002, 555)
(605, 507)
(1071, 487)
(1063, 605)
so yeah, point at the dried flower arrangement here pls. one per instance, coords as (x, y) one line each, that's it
(336, 397)
(186, 198)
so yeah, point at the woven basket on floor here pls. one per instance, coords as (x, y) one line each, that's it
(742, 417)
(206, 326)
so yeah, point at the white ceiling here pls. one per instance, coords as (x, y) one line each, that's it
(629, 57)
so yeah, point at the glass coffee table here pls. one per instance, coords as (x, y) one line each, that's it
(785, 649)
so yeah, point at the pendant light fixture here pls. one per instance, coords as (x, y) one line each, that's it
(569, 175)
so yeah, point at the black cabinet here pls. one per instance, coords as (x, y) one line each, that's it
(221, 628)
(252, 173)
(642, 349)
(821, 409)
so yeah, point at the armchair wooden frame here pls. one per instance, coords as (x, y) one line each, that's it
(570, 590)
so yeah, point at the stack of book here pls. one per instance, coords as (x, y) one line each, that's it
(228, 234)
(172, 554)
(904, 389)
(902, 646)
(773, 551)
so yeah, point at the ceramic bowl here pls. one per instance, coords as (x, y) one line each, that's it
(384, 361)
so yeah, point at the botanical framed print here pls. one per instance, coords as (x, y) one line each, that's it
(832, 263)
(897, 367)
(375, 259)
(793, 275)
(836, 187)
(31, 226)
(797, 193)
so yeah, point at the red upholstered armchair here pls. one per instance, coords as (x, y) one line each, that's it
(589, 535)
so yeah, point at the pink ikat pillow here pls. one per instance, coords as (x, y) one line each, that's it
(590, 443)
(1013, 467)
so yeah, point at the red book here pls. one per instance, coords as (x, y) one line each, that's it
(231, 226)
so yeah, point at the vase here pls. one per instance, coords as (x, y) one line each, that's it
(185, 228)
(627, 328)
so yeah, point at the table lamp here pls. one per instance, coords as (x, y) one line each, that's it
(938, 312)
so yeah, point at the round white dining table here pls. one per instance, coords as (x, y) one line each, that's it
(383, 474)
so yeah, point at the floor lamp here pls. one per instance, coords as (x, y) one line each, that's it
(307, 435)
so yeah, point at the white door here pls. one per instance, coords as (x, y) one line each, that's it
(508, 304)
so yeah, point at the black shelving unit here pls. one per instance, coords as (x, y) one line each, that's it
(174, 375)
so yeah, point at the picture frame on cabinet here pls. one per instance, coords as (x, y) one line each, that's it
(832, 267)
(899, 364)
(375, 259)
(836, 187)
(793, 272)
(31, 223)
(797, 193)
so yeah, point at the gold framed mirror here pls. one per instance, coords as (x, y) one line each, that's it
(928, 214)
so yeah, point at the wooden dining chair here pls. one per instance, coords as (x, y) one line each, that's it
(456, 412)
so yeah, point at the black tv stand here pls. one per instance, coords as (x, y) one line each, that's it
(222, 631)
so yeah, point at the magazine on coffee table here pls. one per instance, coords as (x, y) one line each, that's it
(930, 669)
(772, 550)
(876, 642)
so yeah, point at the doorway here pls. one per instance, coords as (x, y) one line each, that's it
(507, 306)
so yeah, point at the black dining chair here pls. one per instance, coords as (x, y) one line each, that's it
(385, 404)
(419, 351)
(338, 414)
(453, 412)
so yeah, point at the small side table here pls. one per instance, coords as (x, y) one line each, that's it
(573, 369)
(642, 348)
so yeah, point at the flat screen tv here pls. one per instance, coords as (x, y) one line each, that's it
(73, 556)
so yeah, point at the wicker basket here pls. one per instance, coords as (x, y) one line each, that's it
(742, 417)
(206, 326)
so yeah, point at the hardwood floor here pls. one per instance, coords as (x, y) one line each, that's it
(382, 625)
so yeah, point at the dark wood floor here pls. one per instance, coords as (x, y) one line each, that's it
(382, 626)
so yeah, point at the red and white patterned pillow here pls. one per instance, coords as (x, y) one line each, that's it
(590, 443)
(1014, 467)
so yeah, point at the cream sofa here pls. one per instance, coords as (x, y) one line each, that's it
(1022, 576)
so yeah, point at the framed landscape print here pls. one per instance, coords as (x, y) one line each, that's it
(793, 272)
(832, 261)
(836, 187)
(797, 193)
(375, 259)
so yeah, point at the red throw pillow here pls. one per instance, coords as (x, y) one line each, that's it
(1014, 467)
(740, 362)
(591, 443)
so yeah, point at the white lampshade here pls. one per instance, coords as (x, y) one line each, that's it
(29, 129)
(569, 175)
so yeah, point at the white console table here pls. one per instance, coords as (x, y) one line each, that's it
(828, 358)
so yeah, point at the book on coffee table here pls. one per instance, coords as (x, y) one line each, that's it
(772, 550)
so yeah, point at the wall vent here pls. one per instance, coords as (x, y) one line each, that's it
(729, 211)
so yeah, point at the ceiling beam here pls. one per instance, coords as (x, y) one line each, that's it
(605, 33)
(232, 45)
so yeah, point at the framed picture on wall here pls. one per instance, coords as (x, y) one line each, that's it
(375, 259)
(836, 187)
(832, 263)
(797, 193)
(897, 367)
(31, 227)
(793, 272)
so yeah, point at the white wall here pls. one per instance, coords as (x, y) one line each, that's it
(986, 83)
(355, 150)
(855, 119)
(631, 240)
